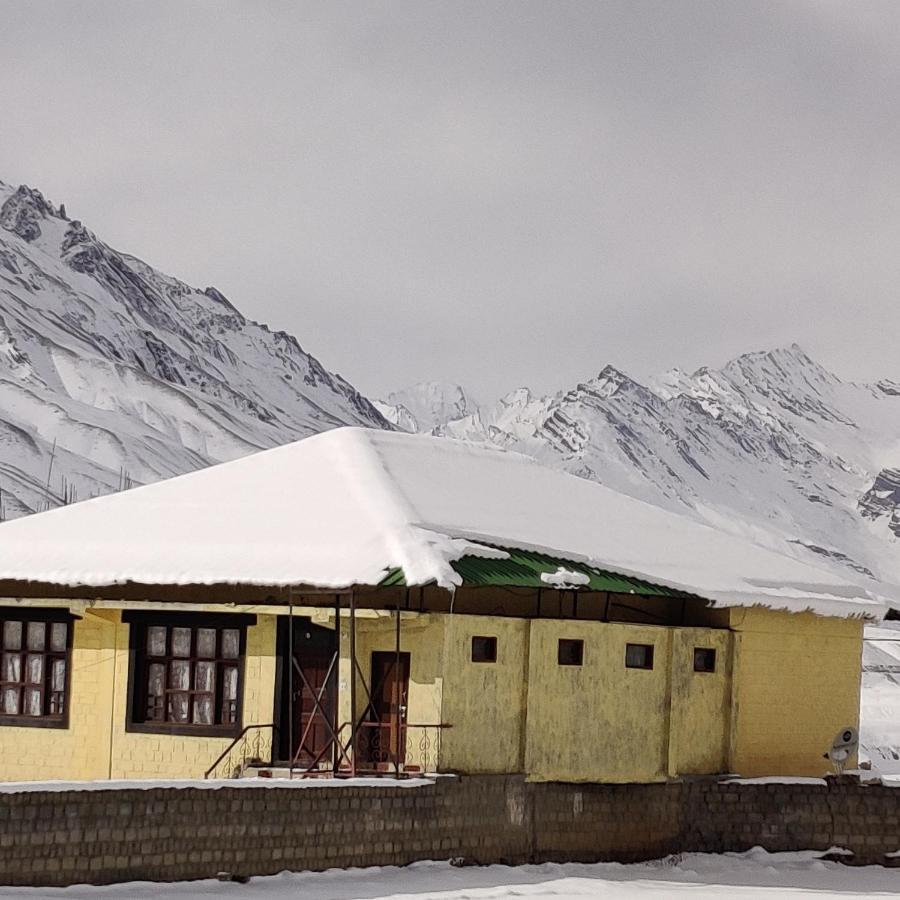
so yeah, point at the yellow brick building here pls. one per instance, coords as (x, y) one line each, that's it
(367, 603)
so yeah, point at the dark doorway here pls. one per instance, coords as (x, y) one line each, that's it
(308, 720)
(384, 733)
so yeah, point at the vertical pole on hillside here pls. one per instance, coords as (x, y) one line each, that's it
(290, 665)
(336, 761)
(50, 471)
(397, 694)
(353, 736)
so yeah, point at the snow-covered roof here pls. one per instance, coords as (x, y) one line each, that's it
(346, 506)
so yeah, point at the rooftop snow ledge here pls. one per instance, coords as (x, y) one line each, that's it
(343, 507)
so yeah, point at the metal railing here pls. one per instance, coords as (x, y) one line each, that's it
(255, 745)
(377, 750)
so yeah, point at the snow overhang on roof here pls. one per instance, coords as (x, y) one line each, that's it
(350, 506)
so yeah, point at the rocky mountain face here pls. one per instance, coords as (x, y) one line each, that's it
(113, 373)
(772, 446)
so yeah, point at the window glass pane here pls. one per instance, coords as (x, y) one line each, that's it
(181, 642)
(155, 688)
(205, 676)
(12, 635)
(178, 707)
(179, 675)
(11, 701)
(229, 695)
(58, 675)
(484, 649)
(35, 668)
(639, 656)
(704, 659)
(229, 683)
(58, 636)
(206, 643)
(231, 644)
(12, 667)
(570, 652)
(156, 640)
(32, 702)
(37, 635)
(155, 679)
(203, 710)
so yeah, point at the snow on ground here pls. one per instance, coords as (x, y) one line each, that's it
(211, 784)
(879, 713)
(712, 877)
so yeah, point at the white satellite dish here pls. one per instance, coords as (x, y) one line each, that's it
(844, 745)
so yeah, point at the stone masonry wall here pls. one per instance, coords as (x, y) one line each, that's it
(103, 836)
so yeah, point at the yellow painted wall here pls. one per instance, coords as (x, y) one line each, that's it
(796, 682)
(784, 685)
(599, 721)
(700, 716)
(82, 749)
(484, 702)
(605, 722)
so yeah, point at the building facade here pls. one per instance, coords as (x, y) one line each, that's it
(367, 602)
(164, 694)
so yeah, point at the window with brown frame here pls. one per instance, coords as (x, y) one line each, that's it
(187, 675)
(34, 667)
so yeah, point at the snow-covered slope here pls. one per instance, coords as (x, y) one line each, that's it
(880, 698)
(113, 373)
(772, 446)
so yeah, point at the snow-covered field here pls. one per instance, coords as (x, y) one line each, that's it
(733, 875)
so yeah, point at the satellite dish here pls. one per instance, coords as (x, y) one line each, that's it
(844, 745)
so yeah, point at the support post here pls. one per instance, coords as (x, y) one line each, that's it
(290, 683)
(337, 682)
(397, 695)
(353, 733)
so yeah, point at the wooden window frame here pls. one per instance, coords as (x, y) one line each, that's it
(489, 641)
(139, 662)
(570, 643)
(715, 660)
(58, 615)
(644, 668)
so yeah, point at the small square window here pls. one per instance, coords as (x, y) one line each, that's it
(484, 649)
(570, 652)
(704, 659)
(639, 656)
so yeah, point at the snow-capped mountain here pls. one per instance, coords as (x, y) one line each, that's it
(113, 373)
(425, 406)
(772, 446)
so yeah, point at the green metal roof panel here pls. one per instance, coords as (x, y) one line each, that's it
(523, 568)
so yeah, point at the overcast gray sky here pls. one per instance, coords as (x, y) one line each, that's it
(492, 193)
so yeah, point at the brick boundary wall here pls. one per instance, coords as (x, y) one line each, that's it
(166, 834)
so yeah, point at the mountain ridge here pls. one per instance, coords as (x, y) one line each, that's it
(772, 446)
(113, 371)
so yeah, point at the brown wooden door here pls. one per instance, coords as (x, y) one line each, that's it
(312, 659)
(390, 690)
